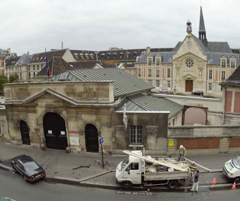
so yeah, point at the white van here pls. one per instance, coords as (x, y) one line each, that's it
(232, 168)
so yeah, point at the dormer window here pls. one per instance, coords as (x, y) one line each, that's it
(223, 62)
(149, 61)
(121, 55)
(158, 61)
(233, 62)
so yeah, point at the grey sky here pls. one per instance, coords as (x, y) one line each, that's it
(33, 25)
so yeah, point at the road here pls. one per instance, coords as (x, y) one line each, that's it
(13, 186)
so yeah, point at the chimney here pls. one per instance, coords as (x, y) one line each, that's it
(9, 50)
(148, 50)
(27, 52)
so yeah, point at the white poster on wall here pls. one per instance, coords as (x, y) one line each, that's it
(74, 141)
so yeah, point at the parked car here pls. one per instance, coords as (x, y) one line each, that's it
(232, 168)
(28, 168)
(163, 91)
(199, 93)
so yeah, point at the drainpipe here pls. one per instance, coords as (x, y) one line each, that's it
(224, 104)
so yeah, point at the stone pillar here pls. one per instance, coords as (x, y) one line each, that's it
(224, 145)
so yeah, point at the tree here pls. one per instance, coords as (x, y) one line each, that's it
(3, 80)
(13, 78)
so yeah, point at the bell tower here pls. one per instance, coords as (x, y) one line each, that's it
(189, 27)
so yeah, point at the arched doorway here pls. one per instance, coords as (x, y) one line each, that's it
(24, 132)
(91, 137)
(54, 131)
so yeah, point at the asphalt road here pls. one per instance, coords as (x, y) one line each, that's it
(13, 186)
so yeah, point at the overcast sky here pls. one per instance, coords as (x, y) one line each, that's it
(33, 25)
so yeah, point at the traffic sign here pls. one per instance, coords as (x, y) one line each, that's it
(101, 140)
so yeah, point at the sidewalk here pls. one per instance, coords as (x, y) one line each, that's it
(81, 169)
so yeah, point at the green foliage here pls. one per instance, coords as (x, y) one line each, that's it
(3, 80)
(13, 78)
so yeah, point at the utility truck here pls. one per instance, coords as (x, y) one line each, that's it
(147, 171)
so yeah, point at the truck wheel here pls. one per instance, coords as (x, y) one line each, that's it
(237, 179)
(173, 184)
(126, 184)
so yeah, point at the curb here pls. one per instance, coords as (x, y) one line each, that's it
(82, 182)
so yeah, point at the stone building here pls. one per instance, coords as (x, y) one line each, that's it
(18, 65)
(194, 64)
(3, 55)
(73, 109)
(231, 99)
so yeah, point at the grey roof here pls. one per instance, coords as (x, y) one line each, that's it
(17, 60)
(142, 102)
(219, 47)
(214, 58)
(233, 80)
(24, 59)
(201, 23)
(177, 47)
(166, 57)
(200, 43)
(11, 61)
(124, 83)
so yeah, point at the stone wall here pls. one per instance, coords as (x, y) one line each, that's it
(4, 134)
(204, 139)
(154, 132)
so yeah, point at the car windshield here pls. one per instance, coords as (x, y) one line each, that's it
(29, 166)
(124, 163)
(236, 162)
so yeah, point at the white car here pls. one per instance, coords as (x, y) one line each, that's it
(164, 91)
(232, 168)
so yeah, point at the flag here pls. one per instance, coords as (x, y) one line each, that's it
(47, 66)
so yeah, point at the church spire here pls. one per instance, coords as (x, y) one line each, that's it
(202, 32)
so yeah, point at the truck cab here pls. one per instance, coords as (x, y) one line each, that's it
(129, 171)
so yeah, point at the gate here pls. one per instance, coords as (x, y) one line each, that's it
(24, 132)
(91, 137)
(55, 131)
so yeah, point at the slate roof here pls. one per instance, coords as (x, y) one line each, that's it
(11, 61)
(214, 57)
(166, 57)
(234, 79)
(124, 83)
(201, 23)
(41, 57)
(24, 59)
(57, 65)
(126, 54)
(142, 102)
(84, 65)
(17, 60)
(84, 54)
